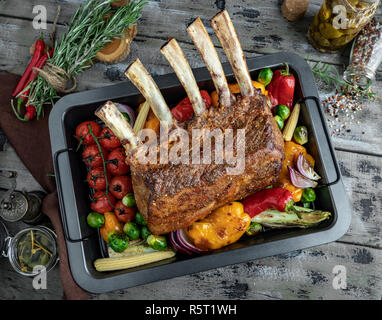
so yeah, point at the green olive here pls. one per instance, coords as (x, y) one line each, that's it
(279, 121)
(118, 241)
(139, 219)
(308, 195)
(157, 242)
(129, 200)
(300, 135)
(145, 232)
(282, 111)
(95, 220)
(132, 230)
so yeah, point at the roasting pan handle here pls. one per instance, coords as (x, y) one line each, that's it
(61, 198)
(331, 149)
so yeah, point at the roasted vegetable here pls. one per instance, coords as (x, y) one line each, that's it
(111, 224)
(145, 232)
(129, 200)
(139, 219)
(109, 264)
(221, 228)
(275, 198)
(254, 228)
(234, 88)
(132, 230)
(305, 219)
(300, 135)
(292, 151)
(95, 220)
(282, 111)
(308, 195)
(118, 241)
(281, 88)
(279, 121)
(157, 242)
(265, 76)
(291, 123)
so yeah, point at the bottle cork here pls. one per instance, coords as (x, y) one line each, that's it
(294, 10)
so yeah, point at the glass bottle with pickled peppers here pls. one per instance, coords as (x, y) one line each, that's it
(338, 22)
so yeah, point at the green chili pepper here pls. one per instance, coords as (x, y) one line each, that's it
(132, 230)
(308, 195)
(139, 219)
(95, 220)
(282, 111)
(280, 122)
(118, 241)
(265, 76)
(145, 232)
(157, 242)
(300, 135)
(129, 200)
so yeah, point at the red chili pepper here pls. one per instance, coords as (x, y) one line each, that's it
(184, 111)
(40, 64)
(281, 88)
(38, 52)
(274, 198)
(30, 114)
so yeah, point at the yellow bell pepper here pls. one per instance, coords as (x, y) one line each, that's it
(221, 228)
(292, 150)
(235, 89)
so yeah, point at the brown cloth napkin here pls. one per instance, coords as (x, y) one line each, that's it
(32, 144)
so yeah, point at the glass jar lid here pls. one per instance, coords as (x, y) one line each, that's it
(31, 247)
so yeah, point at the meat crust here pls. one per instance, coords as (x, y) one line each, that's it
(173, 196)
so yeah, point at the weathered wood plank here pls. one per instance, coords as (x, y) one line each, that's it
(261, 27)
(9, 161)
(363, 181)
(17, 37)
(306, 274)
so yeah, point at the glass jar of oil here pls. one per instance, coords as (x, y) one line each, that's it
(338, 22)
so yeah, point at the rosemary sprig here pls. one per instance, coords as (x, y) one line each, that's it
(91, 27)
(329, 75)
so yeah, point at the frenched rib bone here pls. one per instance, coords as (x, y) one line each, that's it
(139, 76)
(117, 123)
(175, 56)
(226, 33)
(203, 43)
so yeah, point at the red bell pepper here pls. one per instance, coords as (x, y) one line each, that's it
(281, 88)
(274, 198)
(184, 111)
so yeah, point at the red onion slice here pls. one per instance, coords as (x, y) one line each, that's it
(299, 181)
(306, 169)
(127, 110)
(176, 245)
(186, 242)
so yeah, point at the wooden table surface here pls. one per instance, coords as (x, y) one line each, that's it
(304, 274)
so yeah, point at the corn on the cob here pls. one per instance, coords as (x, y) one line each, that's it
(292, 123)
(110, 264)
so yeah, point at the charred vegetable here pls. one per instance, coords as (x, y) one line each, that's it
(305, 219)
(118, 241)
(254, 228)
(157, 242)
(300, 135)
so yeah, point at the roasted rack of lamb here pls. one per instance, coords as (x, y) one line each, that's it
(172, 195)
